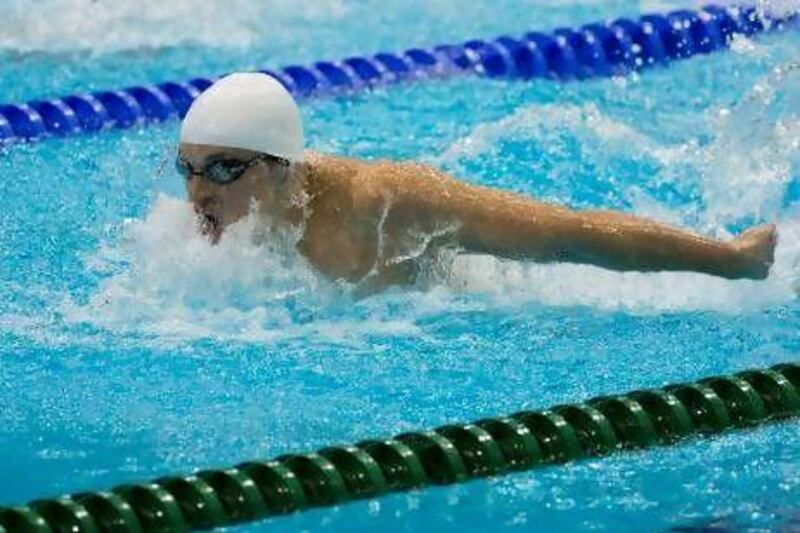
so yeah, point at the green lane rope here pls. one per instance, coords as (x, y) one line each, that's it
(449, 454)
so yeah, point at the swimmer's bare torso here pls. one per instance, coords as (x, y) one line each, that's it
(370, 222)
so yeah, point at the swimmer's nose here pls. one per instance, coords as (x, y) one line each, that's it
(202, 196)
(205, 204)
(200, 191)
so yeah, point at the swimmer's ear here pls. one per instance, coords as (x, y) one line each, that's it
(274, 171)
(299, 168)
(279, 173)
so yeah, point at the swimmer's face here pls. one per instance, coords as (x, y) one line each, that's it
(220, 205)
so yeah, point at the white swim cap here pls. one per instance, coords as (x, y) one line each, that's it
(248, 110)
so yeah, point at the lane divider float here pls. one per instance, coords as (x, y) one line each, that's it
(449, 454)
(594, 50)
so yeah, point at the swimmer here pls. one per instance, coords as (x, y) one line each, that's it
(372, 223)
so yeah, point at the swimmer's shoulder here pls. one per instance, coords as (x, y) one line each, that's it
(415, 181)
(331, 173)
(343, 181)
(326, 166)
(335, 172)
(371, 182)
(339, 167)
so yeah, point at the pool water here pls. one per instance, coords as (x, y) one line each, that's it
(130, 348)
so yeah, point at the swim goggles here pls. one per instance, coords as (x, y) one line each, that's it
(224, 170)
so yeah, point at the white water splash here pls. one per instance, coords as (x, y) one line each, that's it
(164, 280)
(743, 45)
(110, 25)
(773, 8)
(586, 122)
(749, 166)
(113, 25)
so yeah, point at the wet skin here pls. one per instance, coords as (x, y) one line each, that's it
(369, 222)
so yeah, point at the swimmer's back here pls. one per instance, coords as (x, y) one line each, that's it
(364, 215)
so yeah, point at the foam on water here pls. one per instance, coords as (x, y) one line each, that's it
(754, 154)
(167, 279)
(756, 151)
(775, 8)
(117, 25)
(114, 25)
(585, 121)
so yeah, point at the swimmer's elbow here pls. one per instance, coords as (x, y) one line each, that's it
(506, 240)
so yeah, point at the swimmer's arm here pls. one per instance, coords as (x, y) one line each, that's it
(512, 226)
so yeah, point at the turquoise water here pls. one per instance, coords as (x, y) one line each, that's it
(131, 348)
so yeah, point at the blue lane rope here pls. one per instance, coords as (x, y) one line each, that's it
(593, 50)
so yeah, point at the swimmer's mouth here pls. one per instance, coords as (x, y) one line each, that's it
(210, 225)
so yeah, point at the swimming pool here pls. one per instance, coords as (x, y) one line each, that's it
(132, 349)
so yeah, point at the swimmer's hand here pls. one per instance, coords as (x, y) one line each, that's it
(756, 251)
